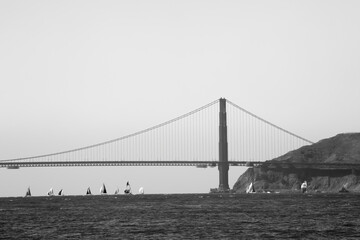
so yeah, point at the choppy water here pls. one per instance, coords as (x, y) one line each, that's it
(193, 216)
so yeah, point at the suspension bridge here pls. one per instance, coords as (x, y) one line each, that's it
(219, 134)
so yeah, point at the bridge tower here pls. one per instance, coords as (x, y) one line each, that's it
(223, 149)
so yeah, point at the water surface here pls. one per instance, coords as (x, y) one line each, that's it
(185, 216)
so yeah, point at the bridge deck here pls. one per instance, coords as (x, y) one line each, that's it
(201, 164)
(15, 165)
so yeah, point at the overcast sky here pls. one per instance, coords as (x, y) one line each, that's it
(75, 73)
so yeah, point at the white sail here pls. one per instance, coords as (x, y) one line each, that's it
(127, 189)
(50, 192)
(88, 191)
(251, 188)
(103, 189)
(28, 192)
(141, 190)
(117, 191)
(303, 187)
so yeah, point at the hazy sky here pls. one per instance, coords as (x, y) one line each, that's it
(75, 73)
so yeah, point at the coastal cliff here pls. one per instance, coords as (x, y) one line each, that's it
(339, 152)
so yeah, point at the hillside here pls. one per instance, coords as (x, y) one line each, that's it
(341, 149)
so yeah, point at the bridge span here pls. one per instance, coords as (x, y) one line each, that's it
(199, 164)
(219, 134)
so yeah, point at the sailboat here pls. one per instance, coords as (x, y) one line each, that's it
(28, 192)
(303, 187)
(141, 190)
(60, 192)
(128, 188)
(251, 188)
(50, 192)
(88, 191)
(103, 189)
(117, 191)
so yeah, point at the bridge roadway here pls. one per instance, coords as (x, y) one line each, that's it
(199, 164)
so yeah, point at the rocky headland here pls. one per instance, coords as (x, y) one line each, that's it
(336, 168)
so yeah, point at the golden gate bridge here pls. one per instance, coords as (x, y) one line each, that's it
(220, 134)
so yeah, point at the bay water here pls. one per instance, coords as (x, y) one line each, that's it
(182, 216)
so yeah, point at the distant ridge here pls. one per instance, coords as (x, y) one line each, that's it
(341, 149)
